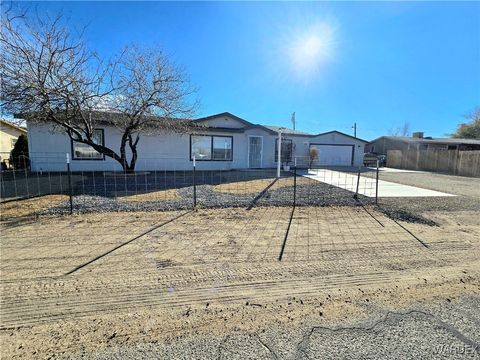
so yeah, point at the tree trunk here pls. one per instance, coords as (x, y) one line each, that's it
(133, 148)
(127, 137)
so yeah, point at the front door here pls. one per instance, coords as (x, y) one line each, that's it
(255, 148)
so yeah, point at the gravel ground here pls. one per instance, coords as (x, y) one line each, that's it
(446, 330)
(316, 194)
(458, 185)
(467, 190)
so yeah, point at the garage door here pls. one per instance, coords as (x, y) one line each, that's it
(339, 155)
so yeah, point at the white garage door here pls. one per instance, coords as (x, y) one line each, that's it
(340, 155)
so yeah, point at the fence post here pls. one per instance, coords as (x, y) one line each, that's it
(376, 184)
(70, 184)
(295, 183)
(194, 185)
(358, 183)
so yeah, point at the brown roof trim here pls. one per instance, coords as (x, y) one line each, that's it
(341, 133)
(248, 124)
(226, 113)
(8, 123)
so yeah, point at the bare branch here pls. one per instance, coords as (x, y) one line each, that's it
(50, 76)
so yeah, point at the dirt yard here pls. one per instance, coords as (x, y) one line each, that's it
(85, 283)
(30, 207)
(258, 185)
(162, 195)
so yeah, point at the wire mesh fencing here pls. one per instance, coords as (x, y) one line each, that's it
(173, 184)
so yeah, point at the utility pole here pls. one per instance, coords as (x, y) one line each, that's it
(293, 120)
(354, 127)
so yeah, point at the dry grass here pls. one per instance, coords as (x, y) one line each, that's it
(255, 186)
(162, 195)
(31, 206)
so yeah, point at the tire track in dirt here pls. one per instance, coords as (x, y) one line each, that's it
(114, 299)
(74, 305)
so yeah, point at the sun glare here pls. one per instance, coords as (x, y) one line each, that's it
(310, 50)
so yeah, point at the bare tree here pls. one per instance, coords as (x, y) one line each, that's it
(403, 130)
(50, 76)
(471, 129)
(151, 95)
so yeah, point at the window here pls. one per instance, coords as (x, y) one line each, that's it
(206, 147)
(13, 141)
(222, 148)
(201, 147)
(287, 150)
(82, 151)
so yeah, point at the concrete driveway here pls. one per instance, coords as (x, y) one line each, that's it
(367, 186)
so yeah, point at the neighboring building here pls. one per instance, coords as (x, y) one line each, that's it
(9, 134)
(224, 142)
(449, 156)
(383, 144)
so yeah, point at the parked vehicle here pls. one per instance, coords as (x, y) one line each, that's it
(382, 160)
(370, 159)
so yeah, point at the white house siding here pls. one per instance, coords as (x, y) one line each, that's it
(172, 151)
(335, 138)
(157, 152)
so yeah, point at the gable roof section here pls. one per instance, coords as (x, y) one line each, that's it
(210, 117)
(248, 124)
(341, 133)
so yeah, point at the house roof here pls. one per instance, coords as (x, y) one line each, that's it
(430, 140)
(341, 133)
(226, 113)
(286, 130)
(247, 124)
(110, 117)
(12, 125)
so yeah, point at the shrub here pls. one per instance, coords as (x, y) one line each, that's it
(19, 154)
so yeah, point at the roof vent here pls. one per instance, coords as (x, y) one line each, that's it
(418, 135)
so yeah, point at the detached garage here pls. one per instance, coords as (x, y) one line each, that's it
(337, 149)
(338, 155)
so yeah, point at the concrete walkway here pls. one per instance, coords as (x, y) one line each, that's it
(348, 181)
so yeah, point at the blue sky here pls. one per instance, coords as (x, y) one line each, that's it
(378, 64)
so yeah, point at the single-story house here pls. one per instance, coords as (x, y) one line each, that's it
(9, 133)
(383, 144)
(223, 142)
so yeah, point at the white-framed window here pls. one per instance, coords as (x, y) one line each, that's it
(211, 147)
(81, 151)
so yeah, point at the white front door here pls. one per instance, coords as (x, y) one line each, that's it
(255, 149)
